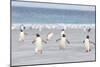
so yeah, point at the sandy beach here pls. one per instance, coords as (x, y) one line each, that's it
(23, 52)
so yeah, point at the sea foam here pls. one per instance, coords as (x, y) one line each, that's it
(54, 26)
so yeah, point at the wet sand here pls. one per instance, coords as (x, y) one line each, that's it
(23, 52)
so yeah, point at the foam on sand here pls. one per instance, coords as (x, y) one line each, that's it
(54, 26)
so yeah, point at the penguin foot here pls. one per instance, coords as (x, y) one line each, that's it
(88, 50)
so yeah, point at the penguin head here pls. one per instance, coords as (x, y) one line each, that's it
(37, 35)
(87, 36)
(63, 35)
(21, 30)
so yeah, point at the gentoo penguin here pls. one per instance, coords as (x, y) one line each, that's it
(62, 32)
(49, 36)
(62, 41)
(89, 29)
(87, 43)
(22, 35)
(38, 44)
(22, 27)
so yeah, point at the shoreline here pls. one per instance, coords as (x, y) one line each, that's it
(54, 26)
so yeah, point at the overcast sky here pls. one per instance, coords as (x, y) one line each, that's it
(55, 6)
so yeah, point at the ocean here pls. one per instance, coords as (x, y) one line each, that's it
(36, 15)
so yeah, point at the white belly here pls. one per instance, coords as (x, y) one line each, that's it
(87, 44)
(22, 36)
(62, 42)
(39, 43)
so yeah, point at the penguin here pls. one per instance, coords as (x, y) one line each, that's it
(21, 36)
(87, 44)
(38, 44)
(22, 27)
(49, 35)
(62, 41)
(89, 30)
(22, 33)
(62, 32)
